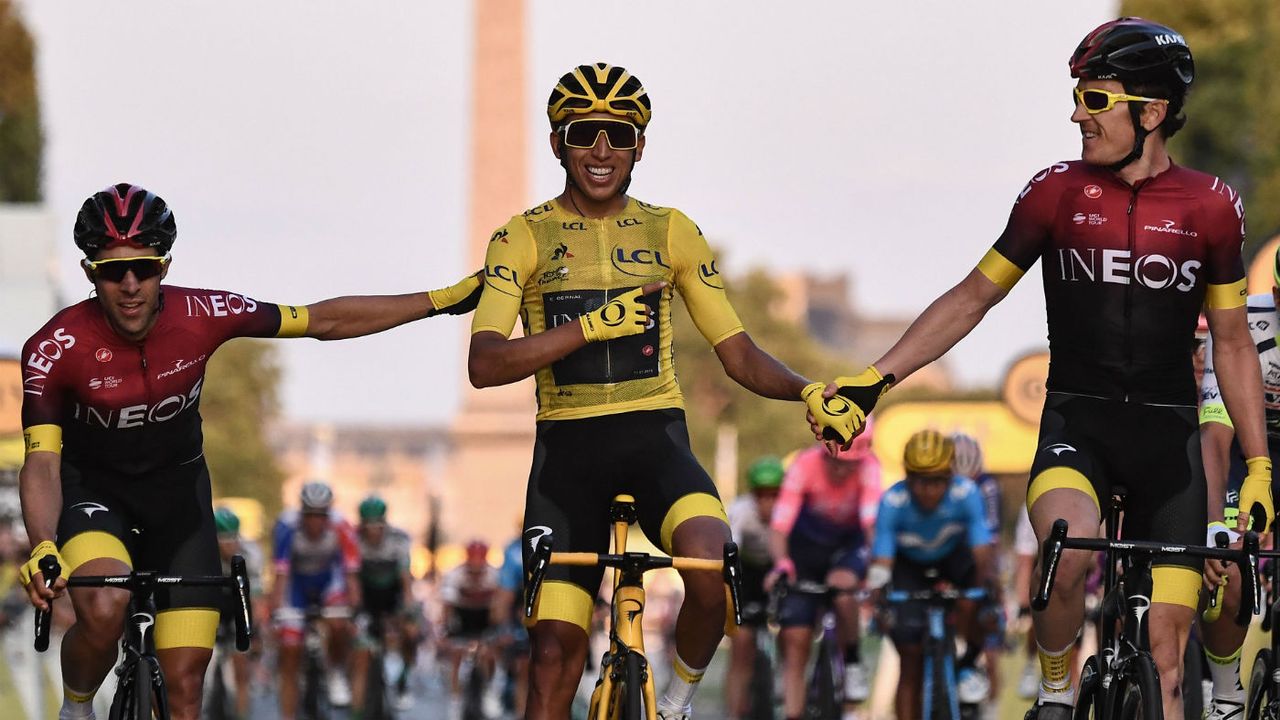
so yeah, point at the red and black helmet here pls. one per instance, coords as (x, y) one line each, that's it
(124, 214)
(1135, 51)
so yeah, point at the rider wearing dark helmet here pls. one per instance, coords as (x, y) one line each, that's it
(114, 476)
(1132, 246)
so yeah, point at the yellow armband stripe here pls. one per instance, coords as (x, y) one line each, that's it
(186, 627)
(42, 438)
(1225, 297)
(999, 270)
(1215, 412)
(293, 321)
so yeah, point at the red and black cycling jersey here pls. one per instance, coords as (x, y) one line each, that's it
(1126, 270)
(134, 408)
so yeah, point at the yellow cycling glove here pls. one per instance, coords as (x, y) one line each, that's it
(457, 299)
(622, 316)
(1256, 490)
(865, 389)
(838, 418)
(38, 553)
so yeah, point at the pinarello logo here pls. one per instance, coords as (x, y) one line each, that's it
(647, 350)
(1092, 191)
(103, 355)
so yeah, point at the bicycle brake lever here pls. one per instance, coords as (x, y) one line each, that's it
(1050, 554)
(540, 560)
(1251, 590)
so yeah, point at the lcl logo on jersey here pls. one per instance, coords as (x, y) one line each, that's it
(1154, 271)
(710, 275)
(503, 279)
(638, 263)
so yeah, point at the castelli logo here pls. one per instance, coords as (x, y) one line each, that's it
(647, 350)
(103, 355)
(1092, 191)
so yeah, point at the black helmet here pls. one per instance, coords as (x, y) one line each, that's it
(124, 214)
(1137, 51)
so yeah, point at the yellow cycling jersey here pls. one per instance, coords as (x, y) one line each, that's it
(550, 266)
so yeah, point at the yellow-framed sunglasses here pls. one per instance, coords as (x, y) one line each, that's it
(114, 269)
(1099, 101)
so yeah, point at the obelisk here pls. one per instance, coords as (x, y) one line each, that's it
(493, 432)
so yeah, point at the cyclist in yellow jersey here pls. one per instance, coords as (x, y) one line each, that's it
(591, 275)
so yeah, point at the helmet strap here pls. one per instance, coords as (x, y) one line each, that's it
(1139, 138)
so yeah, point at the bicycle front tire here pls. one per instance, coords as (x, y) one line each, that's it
(761, 688)
(1260, 702)
(376, 706)
(1138, 694)
(630, 692)
(820, 703)
(1090, 693)
(142, 690)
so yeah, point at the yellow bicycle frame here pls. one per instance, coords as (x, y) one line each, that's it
(626, 617)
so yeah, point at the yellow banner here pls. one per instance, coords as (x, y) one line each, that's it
(10, 396)
(1008, 443)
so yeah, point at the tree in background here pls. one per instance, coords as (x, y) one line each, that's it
(712, 399)
(240, 403)
(1232, 129)
(21, 143)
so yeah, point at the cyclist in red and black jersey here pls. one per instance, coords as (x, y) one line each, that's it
(114, 476)
(1132, 245)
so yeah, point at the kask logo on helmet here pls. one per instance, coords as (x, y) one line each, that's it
(1154, 271)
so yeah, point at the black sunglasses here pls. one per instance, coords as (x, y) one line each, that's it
(583, 134)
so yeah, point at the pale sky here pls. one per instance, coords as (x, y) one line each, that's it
(312, 149)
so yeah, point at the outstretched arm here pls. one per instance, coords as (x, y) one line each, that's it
(757, 370)
(943, 324)
(356, 315)
(496, 360)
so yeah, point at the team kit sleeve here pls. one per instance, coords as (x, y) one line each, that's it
(884, 543)
(233, 315)
(43, 390)
(1027, 232)
(790, 497)
(509, 261)
(979, 532)
(699, 281)
(1224, 267)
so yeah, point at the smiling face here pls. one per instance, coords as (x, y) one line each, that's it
(132, 306)
(598, 173)
(1107, 137)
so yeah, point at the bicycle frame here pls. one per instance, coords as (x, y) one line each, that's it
(939, 639)
(626, 634)
(1128, 595)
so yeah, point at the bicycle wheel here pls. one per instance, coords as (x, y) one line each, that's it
(761, 686)
(628, 693)
(375, 694)
(821, 704)
(1261, 704)
(313, 691)
(1089, 696)
(1138, 694)
(142, 690)
(473, 692)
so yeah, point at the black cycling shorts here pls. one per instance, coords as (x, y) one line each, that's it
(161, 521)
(958, 569)
(1095, 445)
(578, 468)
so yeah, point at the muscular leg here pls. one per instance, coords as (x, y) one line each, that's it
(1222, 641)
(1170, 625)
(795, 642)
(558, 658)
(845, 606)
(89, 646)
(1057, 626)
(907, 700)
(183, 669)
(700, 625)
(289, 659)
(742, 655)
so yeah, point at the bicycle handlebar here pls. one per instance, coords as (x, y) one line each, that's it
(1246, 559)
(729, 566)
(935, 595)
(237, 582)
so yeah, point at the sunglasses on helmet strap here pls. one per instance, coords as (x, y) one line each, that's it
(1099, 101)
(114, 269)
(583, 133)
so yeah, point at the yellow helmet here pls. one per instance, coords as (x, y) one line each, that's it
(599, 88)
(928, 451)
